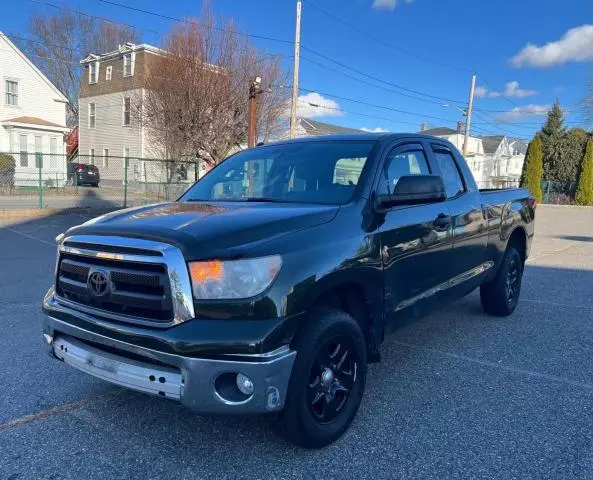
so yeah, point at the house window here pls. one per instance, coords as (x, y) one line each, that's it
(93, 72)
(105, 158)
(128, 65)
(92, 156)
(108, 71)
(53, 150)
(38, 152)
(24, 156)
(12, 92)
(127, 109)
(91, 115)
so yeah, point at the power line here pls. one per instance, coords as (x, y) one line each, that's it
(366, 82)
(335, 109)
(383, 42)
(514, 134)
(284, 41)
(347, 99)
(175, 19)
(359, 72)
(93, 16)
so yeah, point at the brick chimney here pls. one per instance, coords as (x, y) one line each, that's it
(459, 126)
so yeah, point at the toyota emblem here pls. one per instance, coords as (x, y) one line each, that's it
(98, 283)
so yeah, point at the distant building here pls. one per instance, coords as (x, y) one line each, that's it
(113, 84)
(474, 156)
(495, 161)
(32, 119)
(505, 158)
(308, 127)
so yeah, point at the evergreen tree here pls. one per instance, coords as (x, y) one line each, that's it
(573, 145)
(533, 168)
(584, 195)
(553, 143)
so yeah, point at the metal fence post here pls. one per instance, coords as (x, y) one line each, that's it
(125, 182)
(548, 192)
(145, 183)
(40, 187)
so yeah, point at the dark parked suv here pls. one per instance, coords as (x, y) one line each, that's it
(83, 174)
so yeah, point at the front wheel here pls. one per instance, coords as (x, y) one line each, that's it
(500, 296)
(327, 381)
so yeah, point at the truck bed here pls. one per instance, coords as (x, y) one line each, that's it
(495, 196)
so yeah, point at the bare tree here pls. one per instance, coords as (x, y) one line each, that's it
(195, 102)
(61, 40)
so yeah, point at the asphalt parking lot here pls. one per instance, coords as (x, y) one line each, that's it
(458, 395)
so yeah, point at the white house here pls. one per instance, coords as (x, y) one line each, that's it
(504, 158)
(475, 156)
(32, 119)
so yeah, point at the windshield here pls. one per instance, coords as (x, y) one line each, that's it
(324, 172)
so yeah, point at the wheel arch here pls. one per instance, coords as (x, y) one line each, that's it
(359, 295)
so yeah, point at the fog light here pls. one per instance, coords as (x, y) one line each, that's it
(48, 338)
(244, 384)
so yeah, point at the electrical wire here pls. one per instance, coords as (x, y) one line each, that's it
(385, 43)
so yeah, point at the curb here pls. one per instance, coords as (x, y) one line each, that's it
(553, 205)
(48, 212)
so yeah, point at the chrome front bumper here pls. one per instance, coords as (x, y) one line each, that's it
(192, 381)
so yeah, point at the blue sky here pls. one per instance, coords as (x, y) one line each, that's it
(486, 36)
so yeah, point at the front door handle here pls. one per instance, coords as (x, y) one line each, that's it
(443, 221)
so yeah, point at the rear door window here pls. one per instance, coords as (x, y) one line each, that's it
(449, 170)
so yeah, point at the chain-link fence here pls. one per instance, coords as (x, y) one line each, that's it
(558, 193)
(36, 180)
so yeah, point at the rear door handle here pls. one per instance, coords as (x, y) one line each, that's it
(443, 221)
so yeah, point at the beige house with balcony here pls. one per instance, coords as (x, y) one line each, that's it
(109, 133)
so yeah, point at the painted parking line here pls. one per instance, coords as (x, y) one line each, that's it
(531, 259)
(35, 417)
(499, 366)
(556, 304)
(31, 237)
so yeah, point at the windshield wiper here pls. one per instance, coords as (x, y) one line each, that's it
(263, 199)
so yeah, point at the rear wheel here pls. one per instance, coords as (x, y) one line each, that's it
(327, 381)
(501, 295)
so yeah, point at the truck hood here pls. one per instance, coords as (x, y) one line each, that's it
(209, 229)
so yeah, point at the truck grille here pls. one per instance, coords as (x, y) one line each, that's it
(132, 290)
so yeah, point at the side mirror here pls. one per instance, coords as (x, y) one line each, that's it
(414, 190)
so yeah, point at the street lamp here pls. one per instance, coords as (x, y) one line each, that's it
(463, 112)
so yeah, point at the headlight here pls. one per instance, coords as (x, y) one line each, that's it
(232, 279)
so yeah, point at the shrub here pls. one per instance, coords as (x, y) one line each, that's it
(7, 166)
(533, 169)
(584, 195)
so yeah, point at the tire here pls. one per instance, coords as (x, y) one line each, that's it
(321, 368)
(500, 296)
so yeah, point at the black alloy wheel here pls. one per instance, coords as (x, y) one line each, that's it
(332, 378)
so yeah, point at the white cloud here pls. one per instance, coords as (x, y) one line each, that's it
(576, 45)
(388, 4)
(480, 92)
(531, 110)
(315, 105)
(512, 90)
(374, 130)
(384, 4)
